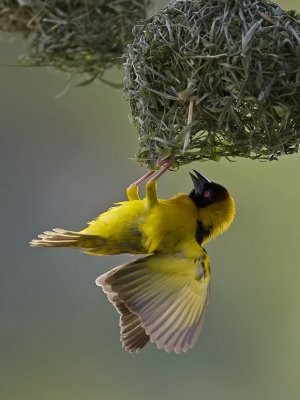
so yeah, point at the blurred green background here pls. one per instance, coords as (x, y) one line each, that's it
(66, 159)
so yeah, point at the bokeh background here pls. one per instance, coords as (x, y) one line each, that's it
(64, 159)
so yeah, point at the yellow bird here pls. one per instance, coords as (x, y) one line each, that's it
(160, 297)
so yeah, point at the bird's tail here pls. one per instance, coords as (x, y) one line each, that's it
(160, 298)
(62, 238)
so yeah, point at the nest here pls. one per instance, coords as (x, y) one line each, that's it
(76, 36)
(218, 78)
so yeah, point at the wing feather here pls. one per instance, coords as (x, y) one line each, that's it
(160, 297)
(132, 333)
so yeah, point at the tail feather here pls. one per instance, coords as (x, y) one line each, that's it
(94, 244)
(62, 238)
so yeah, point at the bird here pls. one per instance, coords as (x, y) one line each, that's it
(161, 296)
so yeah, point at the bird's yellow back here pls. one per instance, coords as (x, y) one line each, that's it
(120, 225)
(170, 225)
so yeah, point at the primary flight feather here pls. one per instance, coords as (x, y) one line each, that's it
(160, 297)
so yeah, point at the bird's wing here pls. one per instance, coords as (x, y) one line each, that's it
(163, 294)
(132, 334)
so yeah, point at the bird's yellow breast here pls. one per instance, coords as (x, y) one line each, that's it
(217, 217)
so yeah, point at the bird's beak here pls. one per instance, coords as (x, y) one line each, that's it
(199, 181)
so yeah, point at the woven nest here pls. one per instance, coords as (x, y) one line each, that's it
(218, 78)
(76, 36)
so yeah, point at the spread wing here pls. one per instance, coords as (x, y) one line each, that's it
(161, 297)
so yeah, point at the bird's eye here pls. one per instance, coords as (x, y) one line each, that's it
(207, 194)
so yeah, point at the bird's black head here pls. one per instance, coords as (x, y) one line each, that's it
(206, 192)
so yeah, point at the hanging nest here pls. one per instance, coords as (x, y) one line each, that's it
(218, 78)
(75, 36)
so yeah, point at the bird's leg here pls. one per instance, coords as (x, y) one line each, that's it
(151, 193)
(166, 165)
(133, 190)
(151, 186)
